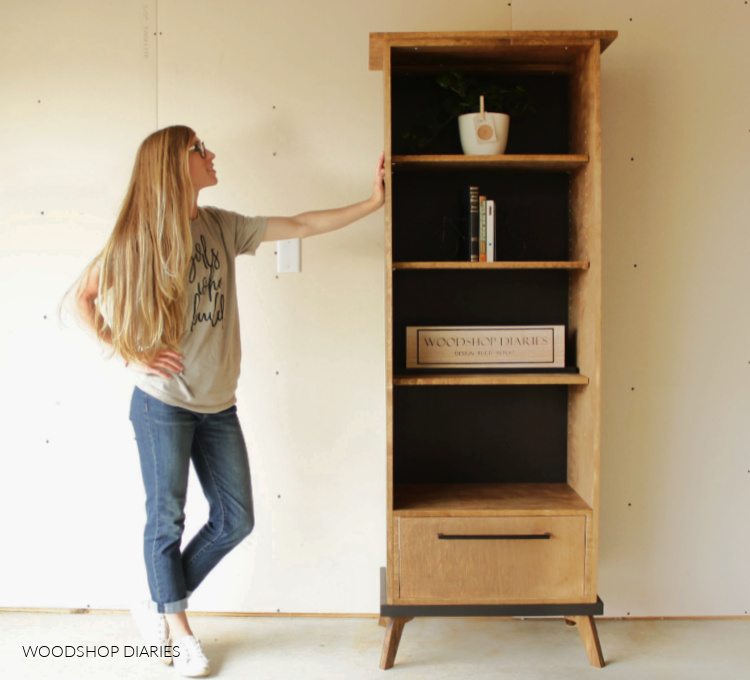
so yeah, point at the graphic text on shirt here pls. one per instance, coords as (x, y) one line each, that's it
(208, 297)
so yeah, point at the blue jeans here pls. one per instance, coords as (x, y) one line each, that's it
(168, 439)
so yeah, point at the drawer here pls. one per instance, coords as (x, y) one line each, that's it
(492, 558)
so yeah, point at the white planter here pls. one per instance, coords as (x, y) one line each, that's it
(483, 137)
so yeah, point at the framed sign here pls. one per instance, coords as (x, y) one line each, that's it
(485, 347)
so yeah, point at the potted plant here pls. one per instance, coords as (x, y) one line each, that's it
(483, 109)
(483, 133)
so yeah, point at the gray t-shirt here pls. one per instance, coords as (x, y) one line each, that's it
(211, 341)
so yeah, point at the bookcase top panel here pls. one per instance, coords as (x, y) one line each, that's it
(469, 47)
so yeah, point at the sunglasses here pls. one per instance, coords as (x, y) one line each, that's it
(200, 147)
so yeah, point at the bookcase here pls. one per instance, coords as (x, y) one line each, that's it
(493, 475)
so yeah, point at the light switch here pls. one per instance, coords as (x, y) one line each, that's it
(288, 256)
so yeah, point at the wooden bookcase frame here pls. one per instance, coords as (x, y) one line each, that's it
(411, 581)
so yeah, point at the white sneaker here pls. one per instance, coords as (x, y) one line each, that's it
(153, 629)
(188, 658)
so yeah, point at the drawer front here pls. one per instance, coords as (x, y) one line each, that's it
(495, 558)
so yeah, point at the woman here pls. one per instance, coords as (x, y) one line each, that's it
(162, 295)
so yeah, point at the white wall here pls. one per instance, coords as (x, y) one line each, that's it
(282, 94)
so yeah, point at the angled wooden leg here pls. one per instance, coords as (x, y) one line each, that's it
(587, 629)
(393, 630)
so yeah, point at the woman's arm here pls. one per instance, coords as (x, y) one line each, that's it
(86, 302)
(166, 360)
(322, 221)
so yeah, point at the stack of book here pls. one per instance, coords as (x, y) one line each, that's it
(481, 226)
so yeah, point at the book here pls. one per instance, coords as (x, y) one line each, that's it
(473, 223)
(490, 209)
(483, 229)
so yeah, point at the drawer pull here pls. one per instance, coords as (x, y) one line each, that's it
(494, 537)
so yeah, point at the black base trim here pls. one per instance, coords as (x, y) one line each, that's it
(466, 610)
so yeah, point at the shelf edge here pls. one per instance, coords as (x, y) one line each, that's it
(581, 265)
(491, 379)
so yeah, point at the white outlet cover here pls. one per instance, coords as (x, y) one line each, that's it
(288, 256)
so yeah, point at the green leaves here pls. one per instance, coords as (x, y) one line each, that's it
(466, 92)
(460, 94)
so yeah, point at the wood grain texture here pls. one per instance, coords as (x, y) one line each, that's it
(491, 500)
(422, 568)
(580, 265)
(393, 631)
(491, 379)
(538, 163)
(513, 558)
(590, 637)
(548, 47)
(391, 585)
(584, 406)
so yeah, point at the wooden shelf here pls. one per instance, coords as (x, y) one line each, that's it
(580, 265)
(538, 163)
(490, 379)
(469, 47)
(485, 500)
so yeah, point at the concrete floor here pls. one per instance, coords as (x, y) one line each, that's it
(251, 648)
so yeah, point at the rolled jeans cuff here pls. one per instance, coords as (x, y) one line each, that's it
(170, 607)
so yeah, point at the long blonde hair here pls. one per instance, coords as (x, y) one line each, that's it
(143, 267)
